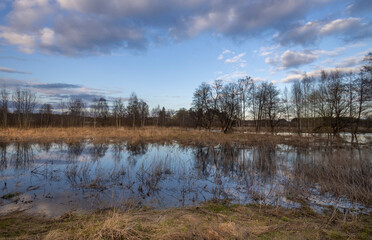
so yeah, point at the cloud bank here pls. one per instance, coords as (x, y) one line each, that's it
(10, 70)
(55, 91)
(86, 27)
(309, 33)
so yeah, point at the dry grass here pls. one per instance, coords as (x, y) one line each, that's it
(146, 134)
(342, 174)
(209, 221)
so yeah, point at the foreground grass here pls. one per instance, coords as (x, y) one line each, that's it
(208, 221)
(145, 134)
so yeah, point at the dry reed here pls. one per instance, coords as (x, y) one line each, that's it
(146, 134)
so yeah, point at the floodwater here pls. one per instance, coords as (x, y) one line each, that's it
(51, 179)
(361, 138)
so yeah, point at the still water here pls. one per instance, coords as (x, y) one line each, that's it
(51, 179)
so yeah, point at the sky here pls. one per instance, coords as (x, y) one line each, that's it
(163, 49)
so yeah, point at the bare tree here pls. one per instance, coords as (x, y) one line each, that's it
(229, 106)
(287, 105)
(245, 86)
(24, 104)
(155, 115)
(182, 117)
(297, 96)
(63, 109)
(332, 101)
(143, 111)
(4, 101)
(216, 94)
(162, 117)
(272, 106)
(118, 111)
(203, 104)
(77, 111)
(46, 111)
(133, 108)
(261, 100)
(94, 111)
(253, 100)
(363, 92)
(306, 83)
(352, 90)
(103, 110)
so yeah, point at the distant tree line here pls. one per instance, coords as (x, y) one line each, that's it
(20, 108)
(332, 102)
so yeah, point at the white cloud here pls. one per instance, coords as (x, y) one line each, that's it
(79, 27)
(291, 59)
(266, 51)
(295, 59)
(350, 28)
(363, 53)
(71, 4)
(340, 25)
(257, 79)
(47, 36)
(233, 76)
(10, 70)
(28, 14)
(316, 73)
(224, 53)
(26, 50)
(55, 90)
(272, 60)
(25, 42)
(236, 59)
(349, 62)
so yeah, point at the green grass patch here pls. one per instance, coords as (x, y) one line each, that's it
(220, 207)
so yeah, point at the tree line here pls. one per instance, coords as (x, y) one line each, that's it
(332, 102)
(20, 108)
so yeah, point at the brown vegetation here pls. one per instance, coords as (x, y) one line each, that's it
(145, 134)
(211, 220)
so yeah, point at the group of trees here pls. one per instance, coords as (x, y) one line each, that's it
(337, 100)
(333, 101)
(330, 102)
(24, 104)
(226, 103)
(232, 103)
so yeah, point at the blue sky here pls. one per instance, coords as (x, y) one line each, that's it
(163, 49)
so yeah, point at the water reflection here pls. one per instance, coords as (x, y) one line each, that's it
(97, 175)
(44, 146)
(3, 159)
(117, 150)
(98, 150)
(137, 149)
(22, 156)
(75, 149)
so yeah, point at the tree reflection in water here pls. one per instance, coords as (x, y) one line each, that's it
(171, 175)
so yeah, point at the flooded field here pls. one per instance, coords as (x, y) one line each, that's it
(51, 179)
